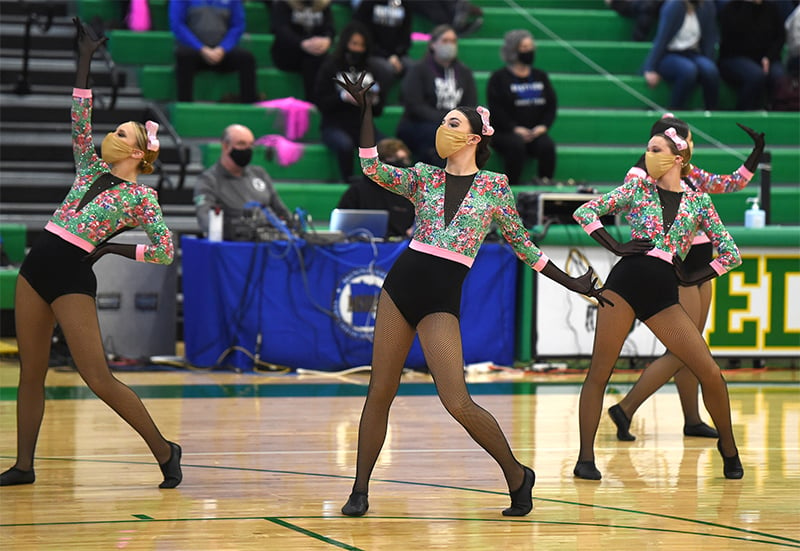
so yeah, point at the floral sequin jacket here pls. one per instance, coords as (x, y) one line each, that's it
(124, 206)
(638, 200)
(488, 200)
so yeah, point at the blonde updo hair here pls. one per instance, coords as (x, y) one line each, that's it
(150, 156)
(686, 154)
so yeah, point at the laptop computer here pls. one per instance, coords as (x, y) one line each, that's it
(360, 222)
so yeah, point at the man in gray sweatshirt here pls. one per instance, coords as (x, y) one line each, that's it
(232, 182)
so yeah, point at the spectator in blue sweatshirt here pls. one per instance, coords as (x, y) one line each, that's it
(683, 52)
(208, 34)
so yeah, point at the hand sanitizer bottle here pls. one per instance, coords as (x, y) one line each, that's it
(754, 217)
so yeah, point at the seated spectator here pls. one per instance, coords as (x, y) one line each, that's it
(341, 123)
(523, 106)
(207, 33)
(366, 194)
(643, 12)
(464, 17)
(750, 45)
(389, 23)
(303, 32)
(435, 85)
(683, 51)
(232, 182)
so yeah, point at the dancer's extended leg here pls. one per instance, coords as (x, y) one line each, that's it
(34, 326)
(393, 337)
(77, 316)
(440, 337)
(680, 335)
(613, 323)
(695, 301)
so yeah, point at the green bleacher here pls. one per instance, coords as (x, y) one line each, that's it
(605, 107)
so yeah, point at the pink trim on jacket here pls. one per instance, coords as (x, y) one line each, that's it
(661, 255)
(441, 253)
(719, 268)
(140, 252)
(368, 152)
(539, 266)
(69, 237)
(638, 172)
(700, 238)
(589, 228)
(82, 93)
(745, 172)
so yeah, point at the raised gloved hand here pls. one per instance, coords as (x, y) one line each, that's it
(359, 91)
(758, 148)
(632, 247)
(585, 284)
(87, 44)
(689, 279)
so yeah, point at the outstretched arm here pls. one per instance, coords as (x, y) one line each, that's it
(584, 284)
(87, 44)
(359, 93)
(751, 163)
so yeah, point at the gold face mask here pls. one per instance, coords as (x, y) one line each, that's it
(114, 149)
(449, 141)
(658, 164)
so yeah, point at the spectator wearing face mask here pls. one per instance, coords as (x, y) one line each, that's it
(523, 104)
(431, 88)
(340, 125)
(232, 182)
(366, 194)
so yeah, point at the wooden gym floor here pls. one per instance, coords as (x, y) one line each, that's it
(269, 459)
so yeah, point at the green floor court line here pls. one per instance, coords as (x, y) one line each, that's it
(314, 535)
(281, 522)
(775, 539)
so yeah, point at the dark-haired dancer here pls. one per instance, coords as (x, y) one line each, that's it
(664, 214)
(421, 295)
(695, 299)
(56, 283)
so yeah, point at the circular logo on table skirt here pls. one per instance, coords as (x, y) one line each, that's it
(356, 301)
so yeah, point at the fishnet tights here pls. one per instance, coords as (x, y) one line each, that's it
(440, 338)
(675, 329)
(77, 316)
(695, 301)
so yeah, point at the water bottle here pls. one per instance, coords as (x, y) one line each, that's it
(215, 223)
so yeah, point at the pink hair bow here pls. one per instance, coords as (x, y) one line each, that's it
(673, 135)
(487, 129)
(152, 142)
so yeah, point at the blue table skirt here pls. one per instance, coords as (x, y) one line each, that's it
(312, 307)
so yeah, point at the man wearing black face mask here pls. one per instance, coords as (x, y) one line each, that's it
(523, 106)
(366, 194)
(232, 182)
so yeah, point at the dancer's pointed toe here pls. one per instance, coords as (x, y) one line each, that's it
(622, 422)
(356, 506)
(587, 470)
(172, 468)
(15, 477)
(522, 497)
